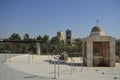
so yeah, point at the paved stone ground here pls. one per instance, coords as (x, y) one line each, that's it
(28, 67)
(7, 73)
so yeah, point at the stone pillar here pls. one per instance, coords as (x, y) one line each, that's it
(38, 48)
(13, 47)
(112, 53)
(89, 53)
(84, 51)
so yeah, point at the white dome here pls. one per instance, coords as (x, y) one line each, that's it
(97, 31)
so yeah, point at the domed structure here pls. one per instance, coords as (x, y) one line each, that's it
(98, 49)
(97, 31)
(60, 35)
(96, 28)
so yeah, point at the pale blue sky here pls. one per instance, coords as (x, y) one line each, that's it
(49, 16)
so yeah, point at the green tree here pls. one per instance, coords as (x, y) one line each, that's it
(44, 44)
(39, 37)
(16, 46)
(54, 44)
(15, 36)
(26, 37)
(25, 46)
(54, 40)
(57, 45)
(45, 38)
(78, 45)
(4, 47)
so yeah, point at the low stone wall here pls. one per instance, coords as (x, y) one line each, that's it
(74, 54)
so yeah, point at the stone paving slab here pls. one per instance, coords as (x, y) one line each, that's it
(23, 68)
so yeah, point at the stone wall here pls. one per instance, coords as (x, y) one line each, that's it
(88, 59)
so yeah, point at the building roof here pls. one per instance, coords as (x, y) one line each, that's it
(97, 31)
(96, 28)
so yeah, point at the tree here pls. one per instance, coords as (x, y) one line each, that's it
(54, 44)
(45, 43)
(25, 46)
(54, 40)
(15, 46)
(78, 45)
(39, 37)
(15, 36)
(45, 38)
(57, 45)
(4, 47)
(26, 37)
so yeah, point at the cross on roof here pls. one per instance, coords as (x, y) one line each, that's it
(97, 21)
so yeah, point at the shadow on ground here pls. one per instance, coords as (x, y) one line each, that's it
(62, 62)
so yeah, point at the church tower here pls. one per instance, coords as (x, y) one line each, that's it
(69, 36)
(60, 35)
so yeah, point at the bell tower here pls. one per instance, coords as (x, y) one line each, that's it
(69, 36)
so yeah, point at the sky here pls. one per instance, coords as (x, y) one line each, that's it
(40, 17)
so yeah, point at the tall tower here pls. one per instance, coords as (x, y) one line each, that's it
(60, 35)
(69, 36)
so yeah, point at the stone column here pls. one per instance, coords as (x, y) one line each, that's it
(89, 53)
(112, 53)
(13, 47)
(38, 48)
